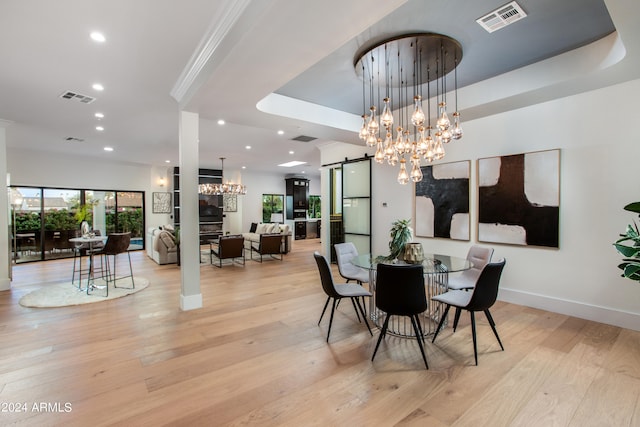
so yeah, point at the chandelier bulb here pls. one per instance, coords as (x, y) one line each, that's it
(379, 156)
(456, 132)
(422, 141)
(443, 119)
(394, 158)
(416, 171)
(387, 117)
(363, 130)
(371, 140)
(403, 177)
(406, 146)
(439, 150)
(417, 118)
(373, 125)
(446, 136)
(388, 147)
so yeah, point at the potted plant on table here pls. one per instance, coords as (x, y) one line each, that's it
(83, 215)
(628, 245)
(400, 234)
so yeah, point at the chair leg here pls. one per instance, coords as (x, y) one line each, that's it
(364, 316)
(442, 319)
(419, 338)
(356, 309)
(333, 310)
(324, 309)
(456, 318)
(382, 334)
(473, 334)
(420, 327)
(493, 326)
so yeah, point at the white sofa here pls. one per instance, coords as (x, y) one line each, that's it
(161, 245)
(265, 228)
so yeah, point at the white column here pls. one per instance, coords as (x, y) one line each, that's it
(5, 257)
(190, 295)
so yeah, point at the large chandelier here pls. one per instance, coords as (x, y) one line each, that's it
(221, 188)
(397, 71)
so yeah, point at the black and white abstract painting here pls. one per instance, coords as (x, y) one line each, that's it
(519, 199)
(442, 201)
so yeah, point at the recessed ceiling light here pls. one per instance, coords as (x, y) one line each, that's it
(99, 115)
(292, 164)
(244, 167)
(167, 161)
(108, 148)
(98, 87)
(280, 132)
(248, 147)
(220, 122)
(291, 152)
(99, 128)
(97, 37)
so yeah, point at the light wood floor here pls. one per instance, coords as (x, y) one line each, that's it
(254, 355)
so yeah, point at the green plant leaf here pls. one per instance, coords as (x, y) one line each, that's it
(626, 251)
(633, 207)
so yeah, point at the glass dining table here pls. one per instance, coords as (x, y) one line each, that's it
(436, 276)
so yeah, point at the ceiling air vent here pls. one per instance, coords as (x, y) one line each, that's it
(73, 139)
(303, 138)
(501, 17)
(83, 99)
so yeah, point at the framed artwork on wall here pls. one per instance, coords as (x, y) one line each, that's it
(442, 201)
(161, 203)
(230, 202)
(519, 199)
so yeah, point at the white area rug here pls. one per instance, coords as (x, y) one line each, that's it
(65, 294)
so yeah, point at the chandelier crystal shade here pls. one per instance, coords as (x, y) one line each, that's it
(398, 73)
(217, 189)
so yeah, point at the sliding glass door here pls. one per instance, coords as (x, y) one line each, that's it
(356, 203)
(44, 219)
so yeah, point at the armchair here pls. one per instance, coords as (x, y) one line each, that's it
(269, 244)
(228, 247)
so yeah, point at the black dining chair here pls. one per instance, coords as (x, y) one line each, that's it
(338, 291)
(400, 291)
(482, 297)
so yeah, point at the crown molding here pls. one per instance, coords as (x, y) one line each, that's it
(209, 44)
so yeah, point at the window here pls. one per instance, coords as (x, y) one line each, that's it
(45, 219)
(273, 208)
(314, 207)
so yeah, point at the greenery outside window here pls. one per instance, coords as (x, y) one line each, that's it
(314, 207)
(272, 204)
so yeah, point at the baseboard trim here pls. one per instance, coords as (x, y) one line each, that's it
(5, 284)
(190, 302)
(595, 313)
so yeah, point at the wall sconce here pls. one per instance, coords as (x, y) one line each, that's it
(161, 182)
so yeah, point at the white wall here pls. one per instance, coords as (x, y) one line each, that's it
(598, 137)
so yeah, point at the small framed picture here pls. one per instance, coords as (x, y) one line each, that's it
(161, 202)
(230, 202)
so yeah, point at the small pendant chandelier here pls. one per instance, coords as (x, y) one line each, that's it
(393, 68)
(222, 188)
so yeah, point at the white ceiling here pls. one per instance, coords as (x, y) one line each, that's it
(156, 61)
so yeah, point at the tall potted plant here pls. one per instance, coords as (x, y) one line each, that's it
(628, 245)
